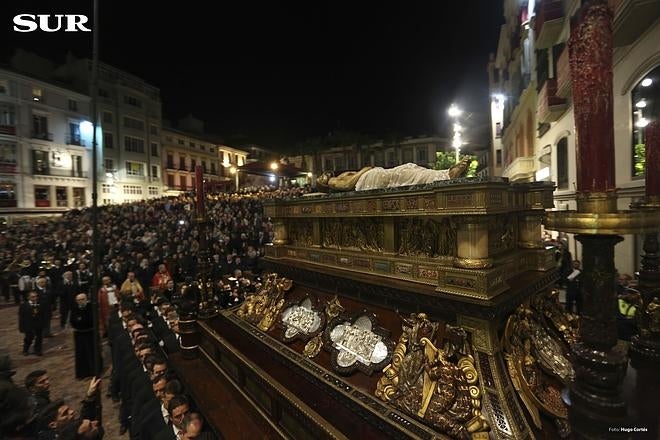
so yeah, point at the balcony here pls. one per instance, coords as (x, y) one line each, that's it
(74, 140)
(632, 18)
(8, 129)
(522, 169)
(549, 23)
(550, 106)
(42, 135)
(38, 170)
(563, 75)
(170, 166)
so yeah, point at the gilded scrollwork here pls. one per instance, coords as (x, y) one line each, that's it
(422, 237)
(360, 234)
(537, 341)
(263, 308)
(502, 233)
(439, 386)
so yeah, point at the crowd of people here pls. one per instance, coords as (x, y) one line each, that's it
(149, 252)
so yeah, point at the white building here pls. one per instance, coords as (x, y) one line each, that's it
(129, 112)
(544, 102)
(45, 146)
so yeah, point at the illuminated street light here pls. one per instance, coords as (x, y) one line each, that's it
(274, 166)
(232, 170)
(454, 111)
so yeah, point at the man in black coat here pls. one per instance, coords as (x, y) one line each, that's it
(83, 337)
(31, 322)
(37, 384)
(67, 290)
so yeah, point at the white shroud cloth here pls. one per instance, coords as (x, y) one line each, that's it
(403, 175)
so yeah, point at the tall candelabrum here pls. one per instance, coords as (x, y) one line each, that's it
(208, 307)
(600, 360)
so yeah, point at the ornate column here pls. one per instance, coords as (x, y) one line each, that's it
(529, 231)
(472, 239)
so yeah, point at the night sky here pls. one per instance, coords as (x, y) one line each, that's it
(277, 73)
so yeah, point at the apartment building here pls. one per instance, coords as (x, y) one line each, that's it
(531, 86)
(45, 146)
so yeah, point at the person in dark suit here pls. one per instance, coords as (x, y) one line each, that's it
(177, 408)
(31, 322)
(37, 384)
(67, 291)
(193, 427)
(83, 337)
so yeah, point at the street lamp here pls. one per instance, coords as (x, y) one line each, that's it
(234, 171)
(274, 166)
(457, 141)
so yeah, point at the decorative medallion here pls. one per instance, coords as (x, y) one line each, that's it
(357, 343)
(435, 380)
(302, 320)
(313, 347)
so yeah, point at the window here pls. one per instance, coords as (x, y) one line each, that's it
(422, 155)
(498, 158)
(168, 138)
(134, 168)
(366, 159)
(154, 170)
(108, 140)
(339, 163)
(645, 109)
(135, 124)
(182, 162)
(107, 117)
(153, 191)
(379, 158)
(562, 163)
(8, 157)
(73, 105)
(60, 197)
(182, 182)
(77, 170)
(78, 197)
(103, 93)
(133, 189)
(133, 144)
(41, 196)
(40, 164)
(37, 95)
(73, 138)
(106, 188)
(170, 180)
(170, 161)
(407, 155)
(153, 130)
(132, 100)
(391, 158)
(3, 87)
(7, 195)
(212, 167)
(192, 145)
(181, 142)
(193, 164)
(109, 165)
(327, 165)
(202, 147)
(204, 166)
(498, 130)
(40, 127)
(154, 149)
(7, 117)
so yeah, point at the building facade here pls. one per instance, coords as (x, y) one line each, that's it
(183, 151)
(538, 139)
(129, 113)
(45, 146)
(420, 150)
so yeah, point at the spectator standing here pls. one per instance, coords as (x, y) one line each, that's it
(31, 322)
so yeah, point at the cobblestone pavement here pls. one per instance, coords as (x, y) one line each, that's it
(58, 360)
